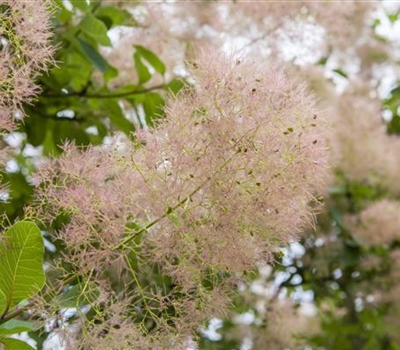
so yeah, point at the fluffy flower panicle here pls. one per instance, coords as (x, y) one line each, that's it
(378, 224)
(25, 50)
(223, 181)
(360, 134)
(243, 153)
(231, 170)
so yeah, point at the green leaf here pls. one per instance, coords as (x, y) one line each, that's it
(142, 71)
(393, 17)
(97, 60)
(114, 15)
(113, 111)
(151, 58)
(340, 72)
(111, 72)
(15, 344)
(21, 264)
(323, 60)
(175, 85)
(95, 29)
(63, 15)
(393, 127)
(15, 326)
(93, 55)
(376, 22)
(153, 105)
(80, 4)
(75, 72)
(64, 131)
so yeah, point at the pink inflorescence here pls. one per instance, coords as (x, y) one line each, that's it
(223, 181)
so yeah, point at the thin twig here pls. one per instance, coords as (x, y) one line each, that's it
(109, 95)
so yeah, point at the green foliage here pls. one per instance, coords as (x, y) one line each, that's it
(15, 326)
(75, 100)
(20, 193)
(14, 344)
(95, 29)
(21, 268)
(392, 104)
(151, 59)
(21, 264)
(113, 16)
(91, 53)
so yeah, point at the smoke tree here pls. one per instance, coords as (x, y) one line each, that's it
(224, 168)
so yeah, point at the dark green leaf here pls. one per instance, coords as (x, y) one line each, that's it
(96, 59)
(393, 127)
(93, 55)
(340, 72)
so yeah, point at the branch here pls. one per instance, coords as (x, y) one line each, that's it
(260, 38)
(166, 213)
(109, 95)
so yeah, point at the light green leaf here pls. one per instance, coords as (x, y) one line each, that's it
(21, 264)
(15, 344)
(63, 14)
(95, 29)
(80, 4)
(176, 85)
(151, 58)
(15, 326)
